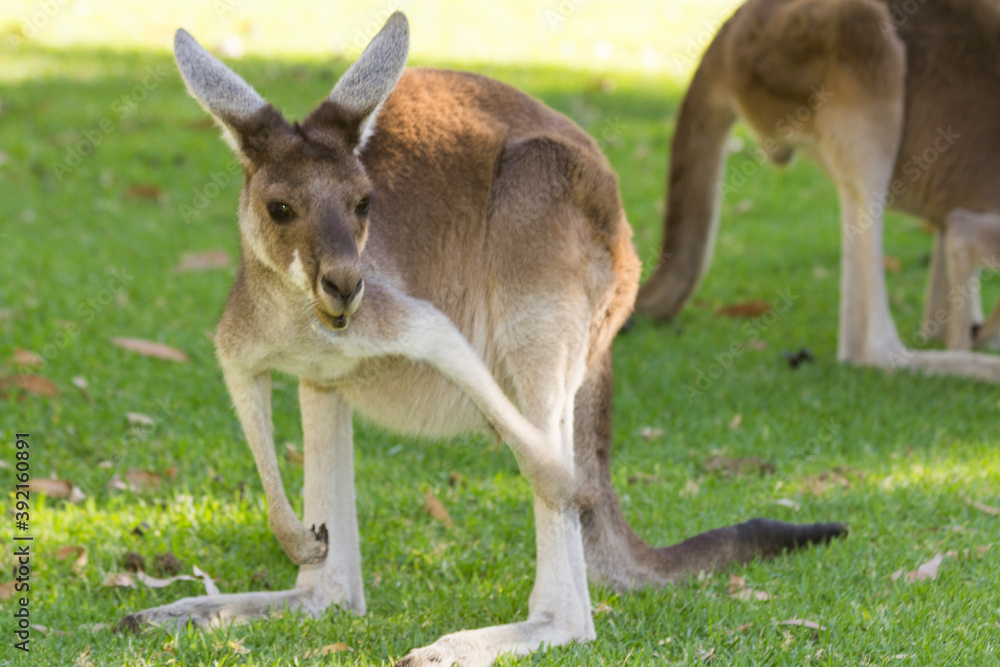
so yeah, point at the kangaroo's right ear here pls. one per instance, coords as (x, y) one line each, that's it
(247, 120)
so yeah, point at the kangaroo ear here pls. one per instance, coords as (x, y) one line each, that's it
(368, 82)
(245, 117)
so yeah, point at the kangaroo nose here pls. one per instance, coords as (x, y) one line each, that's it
(340, 286)
(346, 290)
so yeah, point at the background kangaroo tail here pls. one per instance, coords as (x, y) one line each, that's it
(697, 160)
(615, 555)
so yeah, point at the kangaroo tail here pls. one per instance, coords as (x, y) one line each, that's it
(697, 160)
(615, 555)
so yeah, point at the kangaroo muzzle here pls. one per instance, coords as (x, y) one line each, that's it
(339, 298)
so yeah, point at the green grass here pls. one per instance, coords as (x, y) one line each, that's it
(916, 447)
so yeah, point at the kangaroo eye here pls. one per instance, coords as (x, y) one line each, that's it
(362, 207)
(280, 211)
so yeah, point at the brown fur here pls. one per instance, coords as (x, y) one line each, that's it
(895, 88)
(495, 231)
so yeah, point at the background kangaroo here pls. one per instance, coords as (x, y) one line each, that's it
(430, 258)
(899, 110)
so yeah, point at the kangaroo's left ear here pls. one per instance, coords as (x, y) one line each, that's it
(368, 82)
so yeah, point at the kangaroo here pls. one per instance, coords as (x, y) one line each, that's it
(441, 254)
(972, 240)
(898, 110)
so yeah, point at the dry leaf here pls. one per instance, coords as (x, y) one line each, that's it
(119, 579)
(338, 647)
(142, 480)
(436, 509)
(928, 570)
(746, 309)
(603, 608)
(293, 454)
(238, 647)
(892, 264)
(77, 552)
(838, 477)
(81, 384)
(203, 261)
(7, 590)
(729, 466)
(812, 625)
(151, 349)
(139, 419)
(787, 502)
(983, 508)
(26, 358)
(748, 594)
(32, 384)
(56, 488)
(736, 583)
(742, 628)
(735, 423)
(650, 433)
(144, 191)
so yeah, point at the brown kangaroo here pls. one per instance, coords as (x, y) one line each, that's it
(431, 249)
(897, 102)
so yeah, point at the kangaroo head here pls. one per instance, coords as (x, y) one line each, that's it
(306, 199)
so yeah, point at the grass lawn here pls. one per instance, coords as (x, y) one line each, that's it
(89, 249)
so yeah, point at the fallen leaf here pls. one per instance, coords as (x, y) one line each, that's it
(32, 384)
(238, 647)
(338, 647)
(802, 623)
(838, 477)
(139, 419)
(133, 562)
(144, 191)
(787, 502)
(81, 384)
(729, 466)
(603, 608)
(736, 583)
(7, 590)
(142, 480)
(747, 309)
(983, 508)
(26, 358)
(736, 421)
(294, 457)
(119, 580)
(436, 509)
(167, 563)
(78, 553)
(151, 349)
(650, 433)
(748, 594)
(928, 570)
(643, 477)
(742, 628)
(892, 264)
(203, 261)
(796, 359)
(56, 488)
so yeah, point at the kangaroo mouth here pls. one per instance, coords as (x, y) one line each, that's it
(335, 322)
